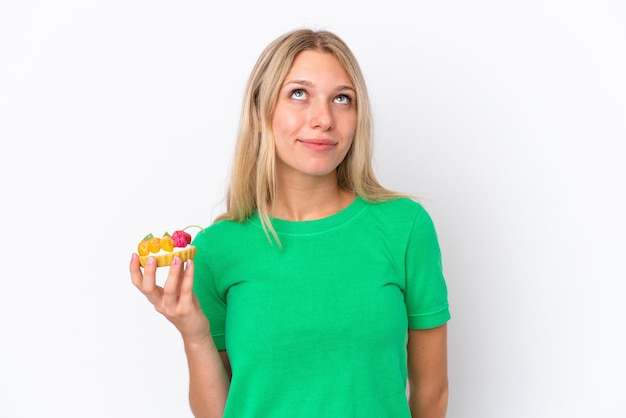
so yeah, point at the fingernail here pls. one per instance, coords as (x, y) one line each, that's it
(176, 261)
(150, 260)
(132, 257)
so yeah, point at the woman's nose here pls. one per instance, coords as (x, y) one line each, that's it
(321, 116)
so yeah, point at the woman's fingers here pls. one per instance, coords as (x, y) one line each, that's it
(136, 275)
(175, 298)
(170, 288)
(148, 284)
(145, 280)
(178, 288)
(186, 286)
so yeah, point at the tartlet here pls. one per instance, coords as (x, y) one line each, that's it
(166, 258)
(167, 247)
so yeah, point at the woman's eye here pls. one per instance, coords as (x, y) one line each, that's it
(343, 99)
(298, 94)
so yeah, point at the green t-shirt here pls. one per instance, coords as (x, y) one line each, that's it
(318, 328)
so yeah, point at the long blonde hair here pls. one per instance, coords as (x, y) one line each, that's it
(253, 182)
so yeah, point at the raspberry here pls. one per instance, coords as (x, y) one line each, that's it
(181, 239)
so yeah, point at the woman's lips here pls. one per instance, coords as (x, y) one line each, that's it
(318, 144)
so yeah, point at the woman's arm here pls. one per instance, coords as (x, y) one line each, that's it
(209, 379)
(428, 372)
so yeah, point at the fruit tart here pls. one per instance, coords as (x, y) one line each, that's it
(165, 248)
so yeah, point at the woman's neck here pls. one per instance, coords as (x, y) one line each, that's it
(309, 200)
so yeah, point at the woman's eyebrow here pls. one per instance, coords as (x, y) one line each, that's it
(301, 82)
(309, 84)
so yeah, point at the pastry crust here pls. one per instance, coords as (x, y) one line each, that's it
(166, 259)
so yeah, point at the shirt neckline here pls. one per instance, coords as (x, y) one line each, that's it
(327, 223)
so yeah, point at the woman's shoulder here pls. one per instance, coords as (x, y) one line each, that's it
(399, 205)
(402, 210)
(223, 229)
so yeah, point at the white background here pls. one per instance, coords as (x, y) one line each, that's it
(507, 119)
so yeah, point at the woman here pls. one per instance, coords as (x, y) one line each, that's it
(319, 292)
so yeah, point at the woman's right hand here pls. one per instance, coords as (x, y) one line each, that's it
(209, 380)
(175, 300)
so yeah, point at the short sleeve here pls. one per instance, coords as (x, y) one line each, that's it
(426, 293)
(211, 301)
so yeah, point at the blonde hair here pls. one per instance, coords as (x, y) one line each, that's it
(253, 183)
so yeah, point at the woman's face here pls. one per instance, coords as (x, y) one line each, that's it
(315, 117)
